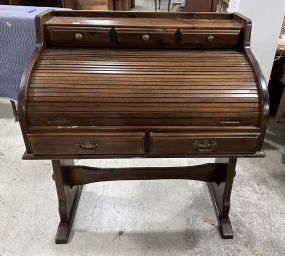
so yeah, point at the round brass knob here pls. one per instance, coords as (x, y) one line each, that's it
(145, 38)
(211, 38)
(78, 36)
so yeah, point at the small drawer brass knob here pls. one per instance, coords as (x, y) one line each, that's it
(145, 37)
(78, 36)
(211, 38)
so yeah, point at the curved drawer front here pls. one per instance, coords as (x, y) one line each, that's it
(98, 143)
(176, 143)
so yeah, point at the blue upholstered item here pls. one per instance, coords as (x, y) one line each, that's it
(17, 42)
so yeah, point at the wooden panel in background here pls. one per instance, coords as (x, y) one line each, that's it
(200, 6)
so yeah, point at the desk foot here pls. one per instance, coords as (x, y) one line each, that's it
(64, 228)
(68, 199)
(226, 229)
(224, 223)
(220, 194)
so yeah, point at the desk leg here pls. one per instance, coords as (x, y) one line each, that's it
(221, 194)
(68, 198)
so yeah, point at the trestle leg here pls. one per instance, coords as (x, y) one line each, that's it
(221, 193)
(68, 198)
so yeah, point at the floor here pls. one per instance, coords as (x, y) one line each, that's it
(140, 217)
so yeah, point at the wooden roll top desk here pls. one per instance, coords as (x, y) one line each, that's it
(120, 85)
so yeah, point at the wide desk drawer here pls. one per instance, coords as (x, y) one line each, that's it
(177, 144)
(79, 36)
(119, 143)
(210, 38)
(146, 37)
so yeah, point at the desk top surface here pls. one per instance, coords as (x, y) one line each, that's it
(143, 22)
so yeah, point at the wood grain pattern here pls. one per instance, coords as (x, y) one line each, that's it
(179, 85)
(140, 20)
(210, 39)
(133, 37)
(206, 172)
(94, 36)
(124, 84)
(181, 143)
(94, 143)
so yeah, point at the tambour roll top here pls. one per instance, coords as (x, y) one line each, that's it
(125, 84)
(154, 87)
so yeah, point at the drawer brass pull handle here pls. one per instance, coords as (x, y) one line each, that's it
(211, 38)
(145, 38)
(78, 36)
(205, 145)
(87, 145)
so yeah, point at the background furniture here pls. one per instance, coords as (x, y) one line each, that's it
(121, 5)
(159, 4)
(200, 5)
(277, 80)
(279, 70)
(127, 84)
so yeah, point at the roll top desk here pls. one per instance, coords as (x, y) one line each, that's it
(120, 85)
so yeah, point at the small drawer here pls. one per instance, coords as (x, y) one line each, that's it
(146, 37)
(210, 39)
(98, 143)
(79, 36)
(184, 144)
